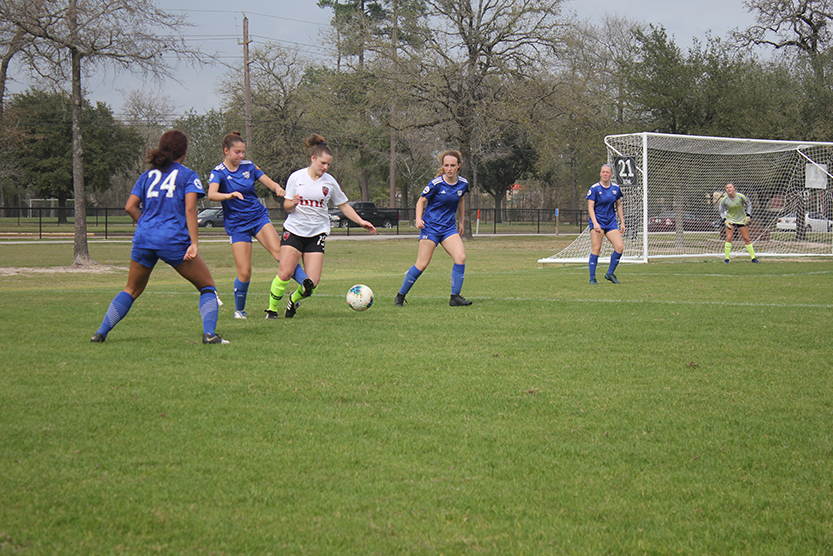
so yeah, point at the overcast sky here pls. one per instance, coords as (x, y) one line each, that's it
(218, 27)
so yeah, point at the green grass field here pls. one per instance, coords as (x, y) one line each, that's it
(686, 411)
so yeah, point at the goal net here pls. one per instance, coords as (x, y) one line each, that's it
(672, 185)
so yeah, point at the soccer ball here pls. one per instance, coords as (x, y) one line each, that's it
(360, 297)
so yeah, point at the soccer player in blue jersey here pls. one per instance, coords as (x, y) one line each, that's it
(436, 208)
(163, 203)
(244, 216)
(308, 194)
(604, 201)
(736, 210)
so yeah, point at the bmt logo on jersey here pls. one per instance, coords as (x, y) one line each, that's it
(459, 193)
(246, 174)
(325, 190)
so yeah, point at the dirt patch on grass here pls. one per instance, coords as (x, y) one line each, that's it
(89, 269)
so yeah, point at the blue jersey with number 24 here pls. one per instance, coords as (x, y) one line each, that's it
(162, 193)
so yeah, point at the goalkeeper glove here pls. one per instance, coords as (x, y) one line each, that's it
(747, 220)
(728, 225)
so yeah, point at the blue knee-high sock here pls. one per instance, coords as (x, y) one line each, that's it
(118, 310)
(209, 309)
(410, 277)
(241, 290)
(458, 274)
(594, 261)
(299, 274)
(614, 262)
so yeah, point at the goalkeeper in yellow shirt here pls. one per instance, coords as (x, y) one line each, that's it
(736, 210)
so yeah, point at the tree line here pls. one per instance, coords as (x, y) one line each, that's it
(525, 92)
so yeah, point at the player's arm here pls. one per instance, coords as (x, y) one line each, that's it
(591, 209)
(351, 213)
(273, 185)
(420, 210)
(191, 221)
(621, 214)
(132, 207)
(461, 214)
(214, 193)
(290, 198)
(721, 208)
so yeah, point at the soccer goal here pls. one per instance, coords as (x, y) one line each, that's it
(672, 185)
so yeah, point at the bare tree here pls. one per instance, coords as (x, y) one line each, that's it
(478, 55)
(804, 25)
(74, 38)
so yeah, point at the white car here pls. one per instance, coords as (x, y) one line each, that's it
(813, 222)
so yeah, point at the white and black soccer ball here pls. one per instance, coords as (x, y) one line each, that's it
(360, 297)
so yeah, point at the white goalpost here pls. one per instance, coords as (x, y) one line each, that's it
(672, 185)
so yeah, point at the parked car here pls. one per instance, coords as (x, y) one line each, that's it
(210, 217)
(667, 222)
(379, 217)
(813, 222)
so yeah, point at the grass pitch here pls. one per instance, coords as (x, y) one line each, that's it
(685, 411)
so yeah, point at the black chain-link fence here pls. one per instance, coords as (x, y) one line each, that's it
(109, 222)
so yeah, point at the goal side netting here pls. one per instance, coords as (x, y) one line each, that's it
(672, 185)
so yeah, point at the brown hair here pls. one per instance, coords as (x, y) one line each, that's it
(172, 146)
(317, 145)
(455, 154)
(232, 139)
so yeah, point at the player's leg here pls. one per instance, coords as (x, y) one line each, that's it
(596, 236)
(424, 253)
(453, 245)
(268, 237)
(744, 233)
(313, 265)
(727, 247)
(196, 272)
(290, 257)
(615, 238)
(242, 252)
(307, 285)
(137, 280)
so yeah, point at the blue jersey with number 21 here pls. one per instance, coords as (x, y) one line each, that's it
(162, 192)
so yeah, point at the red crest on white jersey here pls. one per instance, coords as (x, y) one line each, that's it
(325, 190)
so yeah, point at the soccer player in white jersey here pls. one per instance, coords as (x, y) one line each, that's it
(163, 203)
(736, 212)
(604, 201)
(439, 203)
(244, 216)
(308, 194)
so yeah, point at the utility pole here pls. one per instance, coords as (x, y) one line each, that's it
(246, 86)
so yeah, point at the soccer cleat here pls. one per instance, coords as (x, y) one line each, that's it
(291, 308)
(308, 286)
(726, 261)
(271, 315)
(240, 314)
(755, 261)
(612, 278)
(458, 300)
(399, 300)
(98, 338)
(594, 281)
(213, 339)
